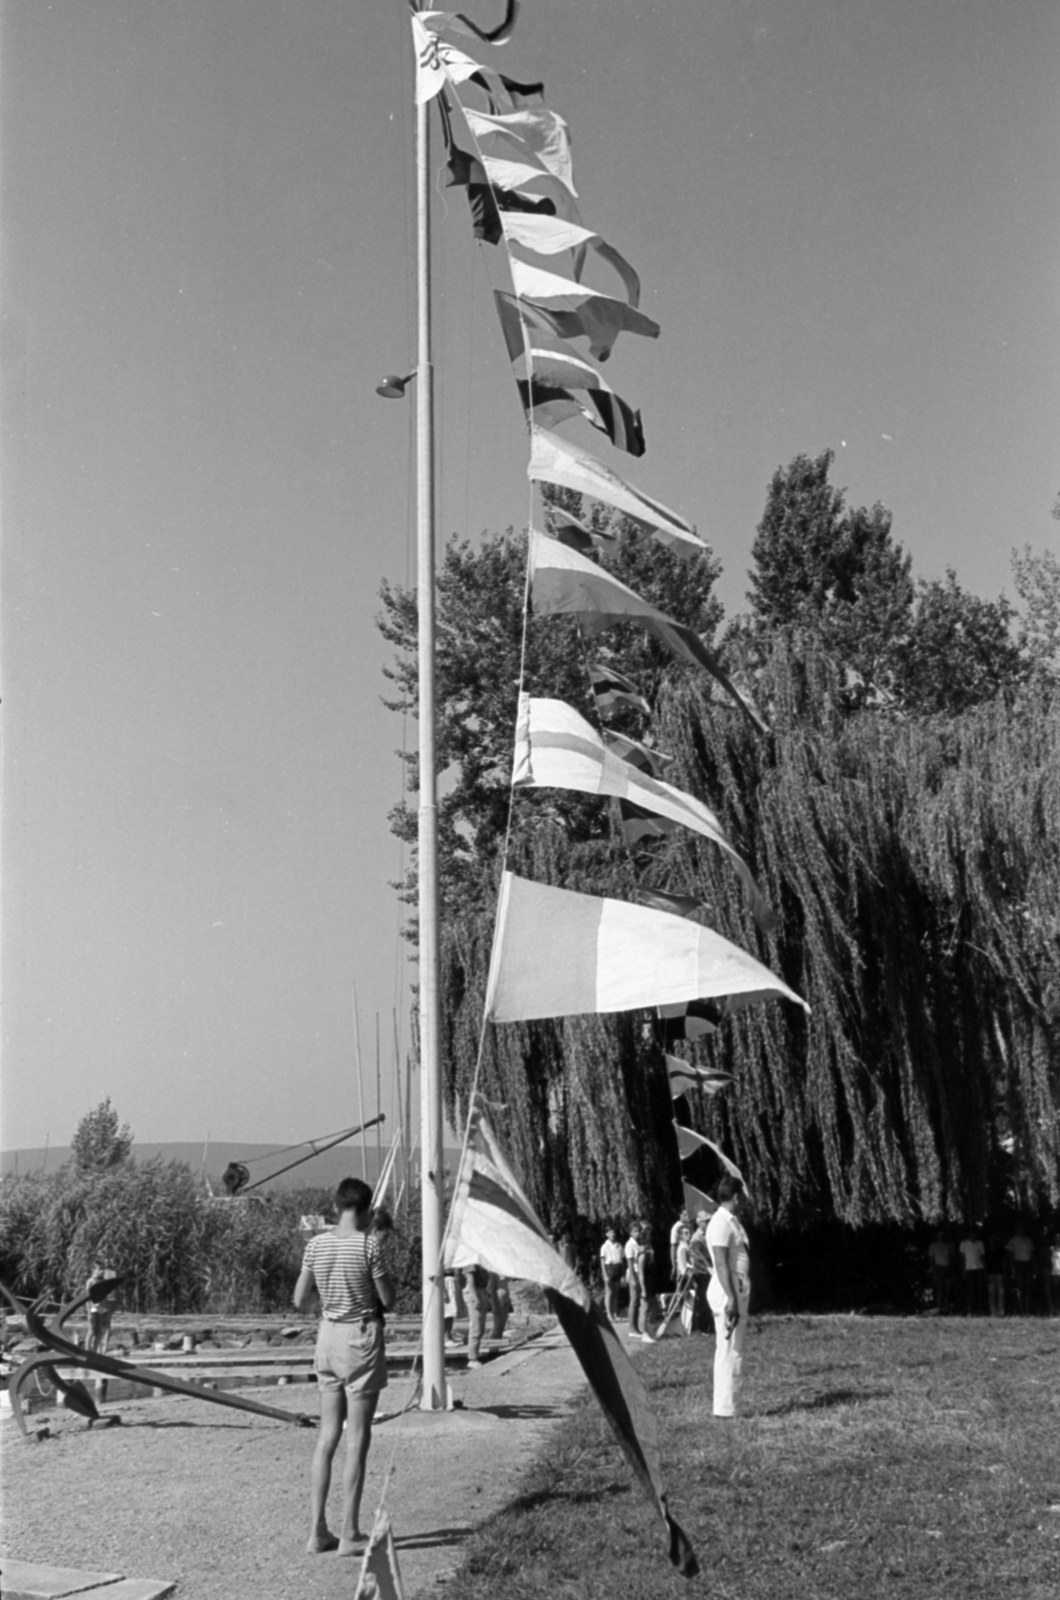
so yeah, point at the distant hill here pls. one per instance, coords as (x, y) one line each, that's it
(323, 1171)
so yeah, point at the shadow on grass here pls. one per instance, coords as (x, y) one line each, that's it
(826, 1401)
(552, 1495)
(432, 1539)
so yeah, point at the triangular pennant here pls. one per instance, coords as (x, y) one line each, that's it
(569, 233)
(696, 1201)
(689, 1142)
(566, 582)
(494, 1224)
(555, 748)
(558, 954)
(578, 312)
(541, 133)
(380, 1577)
(531, 340)
(555, 460)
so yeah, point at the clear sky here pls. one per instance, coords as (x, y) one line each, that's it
(844, 214)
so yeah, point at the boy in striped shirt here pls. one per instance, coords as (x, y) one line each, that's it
(349, 1268)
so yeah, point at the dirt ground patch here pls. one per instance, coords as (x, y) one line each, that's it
(218, 1499)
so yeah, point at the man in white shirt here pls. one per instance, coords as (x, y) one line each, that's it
(729, 1293)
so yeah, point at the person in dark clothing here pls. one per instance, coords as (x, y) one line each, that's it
(994, 1256)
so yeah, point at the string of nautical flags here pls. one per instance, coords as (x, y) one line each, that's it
(555, 952)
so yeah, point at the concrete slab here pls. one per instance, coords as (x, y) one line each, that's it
(32, 1580)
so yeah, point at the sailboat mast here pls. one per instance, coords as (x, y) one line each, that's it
(433, 1397)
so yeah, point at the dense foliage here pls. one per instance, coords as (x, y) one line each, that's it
(178, 1248)
(915, 868)
(903, 817)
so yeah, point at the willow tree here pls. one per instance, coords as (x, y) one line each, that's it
(913, 865)
(915, 869)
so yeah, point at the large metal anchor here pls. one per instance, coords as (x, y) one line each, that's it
(76, 1395)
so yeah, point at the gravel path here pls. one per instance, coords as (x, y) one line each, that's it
(218, 1499)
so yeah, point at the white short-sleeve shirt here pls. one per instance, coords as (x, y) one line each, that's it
(725, 1232)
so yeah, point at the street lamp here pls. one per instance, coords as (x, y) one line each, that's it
(393, 387)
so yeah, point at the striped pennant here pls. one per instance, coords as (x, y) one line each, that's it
(613, 691)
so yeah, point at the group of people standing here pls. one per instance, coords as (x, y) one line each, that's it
(983, 1272)
(711, 1267)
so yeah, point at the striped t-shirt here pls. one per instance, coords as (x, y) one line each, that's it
(344, 1265)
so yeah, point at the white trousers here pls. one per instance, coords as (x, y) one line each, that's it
(728, 1349)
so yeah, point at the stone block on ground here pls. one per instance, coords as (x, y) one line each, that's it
(32, 1580)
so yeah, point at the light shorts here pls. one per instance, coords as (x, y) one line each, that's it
(351, 1355)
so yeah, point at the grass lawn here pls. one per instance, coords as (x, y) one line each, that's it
(875, 1457)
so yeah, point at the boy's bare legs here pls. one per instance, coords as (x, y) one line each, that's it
(332, 1416)
(358, 1440)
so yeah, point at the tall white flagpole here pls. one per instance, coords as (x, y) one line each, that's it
(434, 1392)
